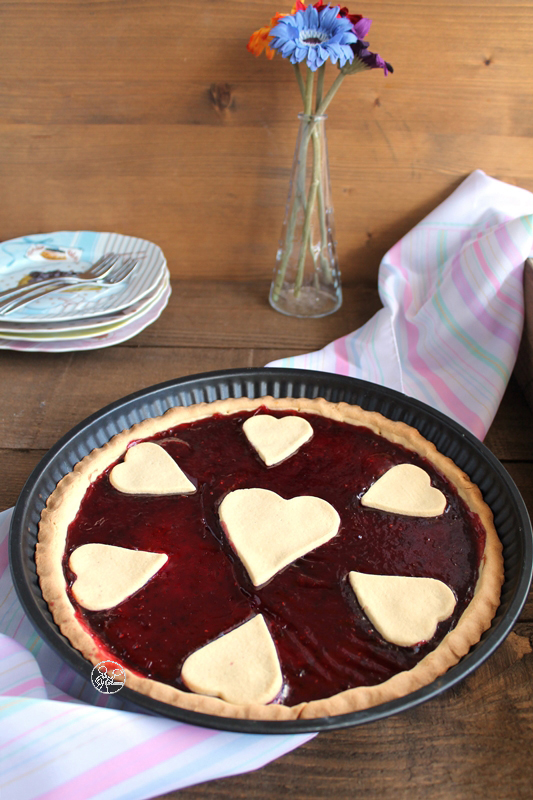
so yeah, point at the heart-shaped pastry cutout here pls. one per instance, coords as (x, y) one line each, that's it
(148, 469)
(405, 489)
(276, 439)
(269, 532)
(240, 667)
(106, 575)
(404, 610)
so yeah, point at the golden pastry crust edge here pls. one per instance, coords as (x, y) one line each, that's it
(64, 502)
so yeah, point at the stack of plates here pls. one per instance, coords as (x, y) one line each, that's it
(80, 318)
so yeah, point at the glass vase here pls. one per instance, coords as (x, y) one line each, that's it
(306, 279)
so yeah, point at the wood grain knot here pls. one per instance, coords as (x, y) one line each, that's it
(221, 96)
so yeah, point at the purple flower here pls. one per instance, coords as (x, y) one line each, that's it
(362, 27)
(370, 60)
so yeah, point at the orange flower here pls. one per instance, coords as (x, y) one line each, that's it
(259, 40)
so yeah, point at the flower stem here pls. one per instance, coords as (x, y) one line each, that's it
(320, 86)
(311, 199)
(334, 88)
(324, 262)
(300, 182)
(299, 80)
(308, 98)
(299, 200)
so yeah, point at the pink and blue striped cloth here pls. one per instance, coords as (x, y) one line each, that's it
(60, 738)
(448, 334)
(453, 308)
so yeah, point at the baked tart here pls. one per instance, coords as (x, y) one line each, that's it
(271, 559)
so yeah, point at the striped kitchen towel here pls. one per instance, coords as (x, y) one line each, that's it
(60, 738)
(453, 310)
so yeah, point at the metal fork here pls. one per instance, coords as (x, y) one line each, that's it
(99, 269)
(116, 275)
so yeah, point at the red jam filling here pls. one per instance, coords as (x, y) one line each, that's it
(324, 641)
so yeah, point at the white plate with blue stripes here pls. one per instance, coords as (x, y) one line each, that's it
(71, 252)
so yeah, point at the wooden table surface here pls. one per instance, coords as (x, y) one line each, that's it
(474, 741)
(152, 118)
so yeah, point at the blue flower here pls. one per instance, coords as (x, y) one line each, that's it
(314, 36)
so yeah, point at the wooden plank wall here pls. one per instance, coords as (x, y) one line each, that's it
(150, 117)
